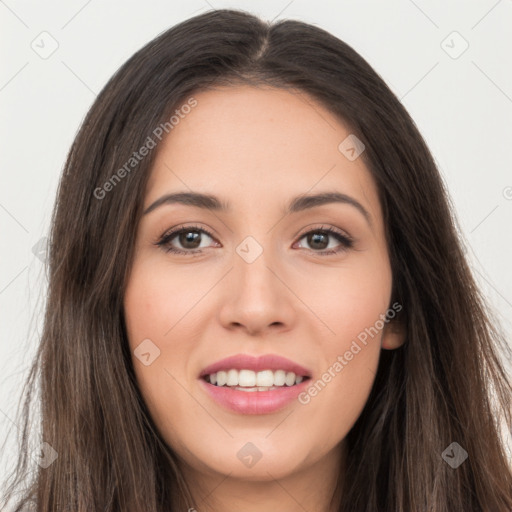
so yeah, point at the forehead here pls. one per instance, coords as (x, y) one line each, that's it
(259, 144)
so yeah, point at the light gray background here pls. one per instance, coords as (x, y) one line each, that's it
(462, 104)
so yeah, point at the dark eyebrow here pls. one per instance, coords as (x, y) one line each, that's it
(196, 199)
(311, 201)
(297, 204)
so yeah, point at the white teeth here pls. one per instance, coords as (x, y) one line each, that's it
(232, 378)
(247, 378)
(252, 381)
(264, 378)
(290, 379)
(260, 388)
(279, 378)
(222, 378)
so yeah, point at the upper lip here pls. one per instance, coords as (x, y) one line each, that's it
(266, 362)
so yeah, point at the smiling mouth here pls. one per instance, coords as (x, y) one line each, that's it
(251, 381)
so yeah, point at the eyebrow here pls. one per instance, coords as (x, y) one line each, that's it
(297, 204)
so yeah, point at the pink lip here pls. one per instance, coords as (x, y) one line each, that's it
(267, 362)
(254, 402)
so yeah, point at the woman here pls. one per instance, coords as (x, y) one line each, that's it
(202, 352)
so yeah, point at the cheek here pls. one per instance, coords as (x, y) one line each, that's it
(147, 310)
(352, 307)
(352, 299)
(161, 320)
(157, 301)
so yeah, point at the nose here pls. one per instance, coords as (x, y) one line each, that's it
(257, 299)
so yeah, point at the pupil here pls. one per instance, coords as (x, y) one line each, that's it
(316, 237)
(189, 236)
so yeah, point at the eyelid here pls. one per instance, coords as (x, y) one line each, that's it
(322, 227)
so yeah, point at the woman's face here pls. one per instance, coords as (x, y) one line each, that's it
(267, 280)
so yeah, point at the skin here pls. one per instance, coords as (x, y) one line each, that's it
(257, 148)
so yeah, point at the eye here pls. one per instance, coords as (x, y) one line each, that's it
(319, 239)
(188, 237)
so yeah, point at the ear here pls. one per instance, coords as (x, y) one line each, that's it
(393, 335)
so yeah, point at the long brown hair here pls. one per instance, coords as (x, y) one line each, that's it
(446, 384)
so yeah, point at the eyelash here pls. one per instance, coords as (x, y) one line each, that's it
(164, 242)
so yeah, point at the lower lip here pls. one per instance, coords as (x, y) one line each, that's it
(254, 402)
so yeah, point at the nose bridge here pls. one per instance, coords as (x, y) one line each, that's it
(257, 298)
(252, 262)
